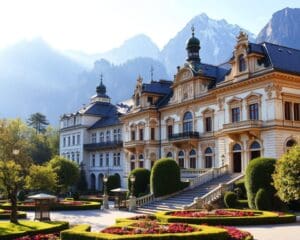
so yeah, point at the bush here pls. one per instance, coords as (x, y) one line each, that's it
(259, 175)
(21, 196)
(230, 200)
(75, 195)
(142, 181)
(114, 181)
(263, 200)
(165, 177)
(287, 175)
(239, 188)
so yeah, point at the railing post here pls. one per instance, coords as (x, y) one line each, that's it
(223, 187)
(132, 204)
(198, 203)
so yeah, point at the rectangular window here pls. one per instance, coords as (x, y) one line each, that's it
(107, 159)
(101, 137)
(115, 135)
(132, 166)
(119, 135)
(73, 140)
(94, 138)
(101, 160)
(208, 124)
(78, 139)
(69, 141)
(152, 133)
(235, 114)
(253, 111)
(296, 111)
(64, 142)
(141, 164)
(132, 135)
(150, 100)
(73, 156)
(287, 110)
(107, 136)
(118, 159)
(77, 157)
(93, 160)
(170, 130)
(141, 131)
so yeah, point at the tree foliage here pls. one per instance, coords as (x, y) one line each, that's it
(142, 181)
(67, 172)
(82, 183)
(38, 121)
(41, 178)
(14, 160)
(287, 175)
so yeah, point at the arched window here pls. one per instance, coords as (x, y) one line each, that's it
(188, 122)
(141, 161)
(169, 155)
(208, 154)
(132, 162)
(242, 63)
(192, 158)
(290, 143)
(255, 150)
(93, 182)
(181, 159)
(236, 147)
(237, 157)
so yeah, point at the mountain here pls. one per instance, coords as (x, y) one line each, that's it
(120, 80)
(36, 78)
(135, 47)
(283, 28)
(217, 38)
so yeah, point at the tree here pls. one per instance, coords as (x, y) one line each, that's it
(287, 175)
(38, 121)
(67, 172)
(14, 160)
(82, 183)
(41, 178)
(40, 150)
(53, 140)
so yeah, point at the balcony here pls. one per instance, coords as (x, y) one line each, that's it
(250, 127)
(102, 145)
(138, 145)
(185, 138)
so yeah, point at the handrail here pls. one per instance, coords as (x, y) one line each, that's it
(213, 194)
(144, 199)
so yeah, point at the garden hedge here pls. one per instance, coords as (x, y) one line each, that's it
(142, 181)
(263, 200)
(136, 218)
(239, 186)
(31, 228)
(82, 233)
(265, 217)
(55, 207)
(165, 177)
(113, 181)
(230, 199)
(259, 175)
(6, 215)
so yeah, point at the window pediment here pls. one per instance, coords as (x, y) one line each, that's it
(235, 100)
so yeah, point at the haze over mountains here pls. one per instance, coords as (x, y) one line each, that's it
(34, 77)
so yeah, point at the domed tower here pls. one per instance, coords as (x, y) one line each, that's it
(193, 48)
(101, 93)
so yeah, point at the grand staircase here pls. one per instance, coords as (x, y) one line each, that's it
(186, 198)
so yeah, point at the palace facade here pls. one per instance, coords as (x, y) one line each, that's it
(209, 116)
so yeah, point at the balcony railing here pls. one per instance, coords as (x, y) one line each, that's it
(103, 145)
(243, 124)
(184, 135)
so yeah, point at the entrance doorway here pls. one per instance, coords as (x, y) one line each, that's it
(237, 158)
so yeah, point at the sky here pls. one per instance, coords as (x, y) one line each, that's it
(93, 26)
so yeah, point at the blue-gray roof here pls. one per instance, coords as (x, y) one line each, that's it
(161, 87)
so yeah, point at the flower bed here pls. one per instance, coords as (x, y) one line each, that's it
(136, 218)
(237, 234)
(61, 205)
(226, 217)
(52, 236)
(148, 230)
(5, 214)
(29, 228)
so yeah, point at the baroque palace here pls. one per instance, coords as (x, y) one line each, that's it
(208, 116)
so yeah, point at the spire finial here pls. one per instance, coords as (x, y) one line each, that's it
(193, 30)
(101, 79)
(151, 72)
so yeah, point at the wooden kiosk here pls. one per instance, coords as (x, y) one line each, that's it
(42, 206)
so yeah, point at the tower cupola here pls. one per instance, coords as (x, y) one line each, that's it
(193, 48)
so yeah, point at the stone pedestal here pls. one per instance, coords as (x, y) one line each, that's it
(105, 202)
(132, 204)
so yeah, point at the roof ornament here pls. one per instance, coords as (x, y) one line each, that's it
(101, 79)
(193, 30)
(151, 73)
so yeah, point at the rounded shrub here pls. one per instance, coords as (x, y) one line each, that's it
(113, 181)
(165, 177)
(230, 199)
(259, 175)
(263, 200)
(142, 181)
(239, 187)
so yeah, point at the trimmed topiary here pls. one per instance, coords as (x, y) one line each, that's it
(230, 199)
(263, 200)
(239, 186)
(142, 181)
(114, 181)
(165, 177)
(259, 175)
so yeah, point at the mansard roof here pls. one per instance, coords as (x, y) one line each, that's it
(98, 109)
(106, 121)
(160, 87)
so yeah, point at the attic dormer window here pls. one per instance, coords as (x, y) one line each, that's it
(242, 63)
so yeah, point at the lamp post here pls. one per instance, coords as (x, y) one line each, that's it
(132, 180)
(15, 152)
(132, 199)
(223, 159)
(105, 196)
